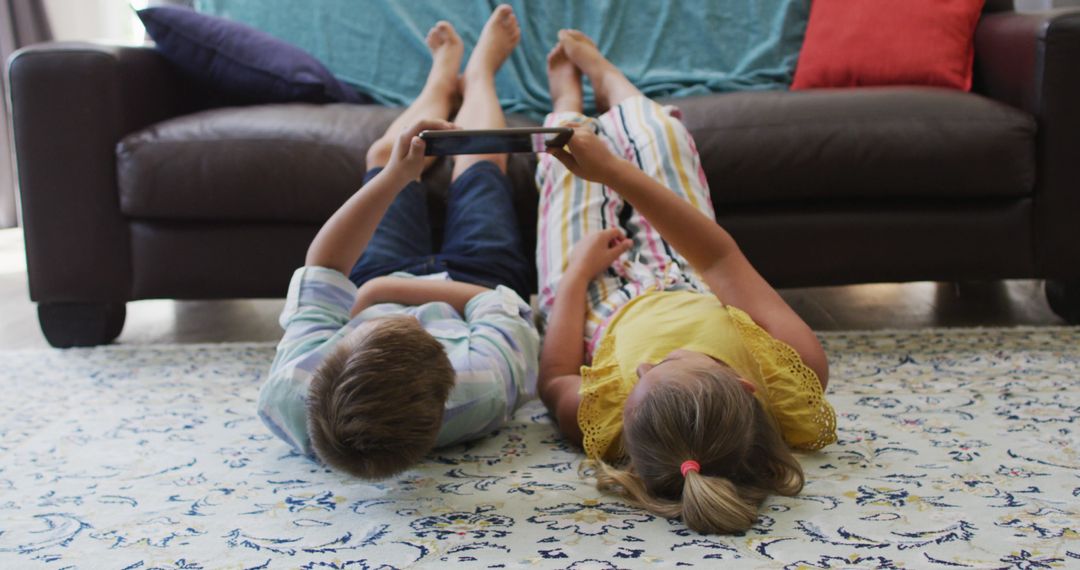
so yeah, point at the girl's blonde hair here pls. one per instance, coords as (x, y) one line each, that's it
(708, 417)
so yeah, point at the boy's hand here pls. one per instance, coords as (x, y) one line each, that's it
(366, 296)
(597, 251)
(407, 157)
(589, 157)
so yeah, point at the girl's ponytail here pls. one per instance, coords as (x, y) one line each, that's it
(716, 505)
(705, 452)
(708, 505)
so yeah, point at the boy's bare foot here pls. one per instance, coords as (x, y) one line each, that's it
(498, 38)
(439, 98)
(446, 53)
(564, 81)
(610, 85)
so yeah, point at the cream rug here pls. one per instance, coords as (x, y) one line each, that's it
(958, 449)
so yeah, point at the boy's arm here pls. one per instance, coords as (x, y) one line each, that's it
(406, 291)
(343, 237)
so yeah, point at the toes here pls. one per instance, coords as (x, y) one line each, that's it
(504, 16)
(442, 34)
(574, 35)
(451, 32)
(557, 55)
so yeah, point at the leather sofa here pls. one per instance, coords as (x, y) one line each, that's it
(133, 186)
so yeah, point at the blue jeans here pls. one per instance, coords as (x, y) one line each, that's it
(481, 244)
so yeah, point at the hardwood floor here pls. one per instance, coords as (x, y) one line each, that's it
(854, 307)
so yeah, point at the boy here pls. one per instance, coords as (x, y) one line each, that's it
(377, 368)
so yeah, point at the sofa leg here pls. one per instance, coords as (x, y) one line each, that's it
(1064, 298)
(81, 324)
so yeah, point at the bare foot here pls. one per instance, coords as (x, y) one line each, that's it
(610, 85)
(564, 81)
(446, 53)
(498, 38)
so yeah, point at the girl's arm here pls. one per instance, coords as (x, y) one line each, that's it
(343, 237)
(709, 248)
(563, 353)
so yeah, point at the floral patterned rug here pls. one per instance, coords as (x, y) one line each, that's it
(958, 449)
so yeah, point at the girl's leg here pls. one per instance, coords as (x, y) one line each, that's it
(571, 207)
(651, 136)
(438, 98)
(645, 132)
(482, 242)
(609, 84)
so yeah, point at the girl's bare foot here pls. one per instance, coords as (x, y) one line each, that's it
(564, 81)
(609, 84)
(446, 53)
(498, 38)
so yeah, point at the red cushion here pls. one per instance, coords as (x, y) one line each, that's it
(888, 42)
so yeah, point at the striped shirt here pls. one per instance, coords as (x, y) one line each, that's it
(494, 350)
(652, 137)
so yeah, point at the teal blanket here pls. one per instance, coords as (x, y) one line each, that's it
(673, 48)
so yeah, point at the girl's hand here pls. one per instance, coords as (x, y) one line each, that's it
(407, 156)
(597, 251)
(589, 157)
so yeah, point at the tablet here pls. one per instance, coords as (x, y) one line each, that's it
(494, 141)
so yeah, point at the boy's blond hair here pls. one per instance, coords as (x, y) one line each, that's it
(376, 404)
(712, 419)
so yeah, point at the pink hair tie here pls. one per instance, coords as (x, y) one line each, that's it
(690, 465)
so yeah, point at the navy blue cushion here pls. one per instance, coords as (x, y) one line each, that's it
(241, 62)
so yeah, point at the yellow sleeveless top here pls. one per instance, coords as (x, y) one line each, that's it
(649, 327)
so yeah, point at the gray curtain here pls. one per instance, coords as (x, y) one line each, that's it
(22, 22)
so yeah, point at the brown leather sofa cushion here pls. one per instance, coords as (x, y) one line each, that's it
(298, 163)
(292, 163)
(868, 143)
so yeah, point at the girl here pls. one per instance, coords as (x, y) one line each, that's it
(695, 369)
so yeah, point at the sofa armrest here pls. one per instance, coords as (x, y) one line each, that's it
(1015, 52)
(71, 103)
(1030, 61)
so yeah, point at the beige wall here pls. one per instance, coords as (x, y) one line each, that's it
(112, 20)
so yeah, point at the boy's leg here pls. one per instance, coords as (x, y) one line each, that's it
(480, 107)
(402, 241)
(437, 100)
(483, 242)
